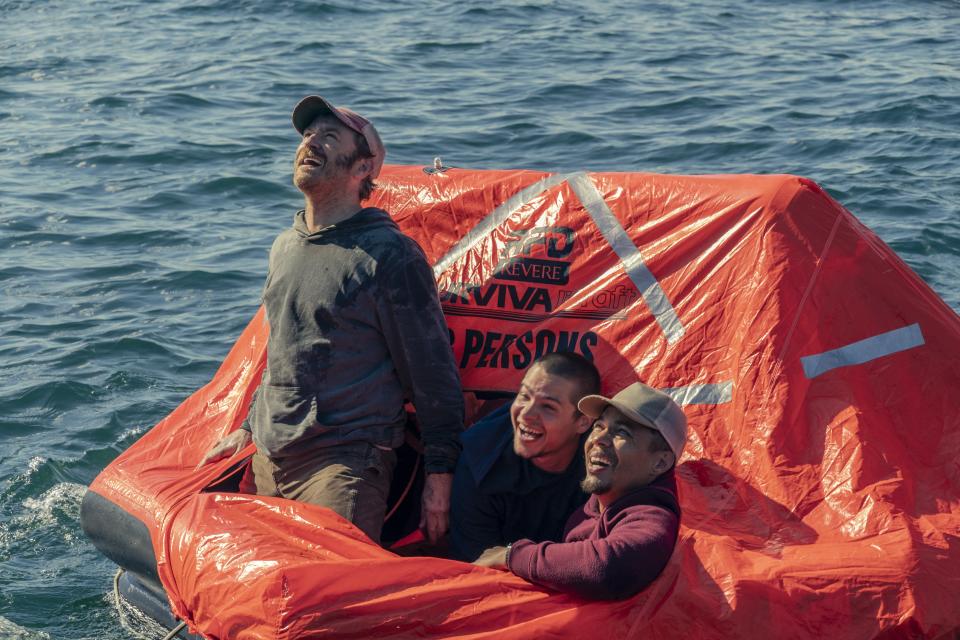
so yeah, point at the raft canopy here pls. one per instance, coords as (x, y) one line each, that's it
(819, 486)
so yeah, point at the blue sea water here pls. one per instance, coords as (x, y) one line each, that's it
(146, 148)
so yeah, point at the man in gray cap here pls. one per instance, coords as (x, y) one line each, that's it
(356, 330)
(622, 538)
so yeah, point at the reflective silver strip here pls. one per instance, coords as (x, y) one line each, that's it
(718, 393)
(494, 219)
(629, 255)
(879, 346)
(610, 228)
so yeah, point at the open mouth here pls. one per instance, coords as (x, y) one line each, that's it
(599, 462)
(312, 161)
(529, 435)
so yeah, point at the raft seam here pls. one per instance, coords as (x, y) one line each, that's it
(631, 258)
(813, 279)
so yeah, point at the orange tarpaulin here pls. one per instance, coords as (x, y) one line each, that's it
(821, 479)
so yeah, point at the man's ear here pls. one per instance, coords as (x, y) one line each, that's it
(583, 423)
(665, 460)
(363, 167)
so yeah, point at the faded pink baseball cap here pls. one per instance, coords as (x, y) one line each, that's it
(310, 107)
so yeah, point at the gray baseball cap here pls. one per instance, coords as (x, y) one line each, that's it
(647, 406)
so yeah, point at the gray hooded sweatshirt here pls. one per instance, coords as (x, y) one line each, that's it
(355, 331)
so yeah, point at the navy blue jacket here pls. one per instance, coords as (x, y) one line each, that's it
(499, 497)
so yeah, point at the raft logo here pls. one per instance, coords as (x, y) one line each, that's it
(613, 301)
(495, 350)
(535, 263)
(537, 255)
(497, 295)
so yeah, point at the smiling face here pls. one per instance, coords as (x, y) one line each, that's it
(326, 157)
(546, 423)
(622, 455)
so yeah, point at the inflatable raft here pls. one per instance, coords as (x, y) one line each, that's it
(820, 486)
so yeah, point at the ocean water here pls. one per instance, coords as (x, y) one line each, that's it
(146, 148)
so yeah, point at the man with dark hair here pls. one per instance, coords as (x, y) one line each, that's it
(355, 331)
(621, 539)
(519, 474)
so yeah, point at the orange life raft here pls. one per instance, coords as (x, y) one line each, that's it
(820, 375)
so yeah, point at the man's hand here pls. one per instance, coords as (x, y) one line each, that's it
(435, 513)
(228, 446)
(493, 558)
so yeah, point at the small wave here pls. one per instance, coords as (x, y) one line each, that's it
(129, 269)
(694, 106)
(12, 631)
(135, 238)
(127, 381)
(441, 47)
(313, 47)
(76, 152)
(173, 103)
(691, 57)
(930, 41)
(239, 187)
(22, 426)
(130, 347)
(106, 433)
(39, 473)
(10, 70)
(7, 94)
(110, 102)
(314, 10)
(598, 90)
(503, 11)
(56, 396)
(63, 500)
(909, 111)
(35, 463)
(181, 155)
(932, 240)
(202, 280)
(134, 621)
(52, 516)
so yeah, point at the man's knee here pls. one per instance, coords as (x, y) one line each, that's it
(353, 481)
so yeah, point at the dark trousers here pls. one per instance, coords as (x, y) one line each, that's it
(351, 479)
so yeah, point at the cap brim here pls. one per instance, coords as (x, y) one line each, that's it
(593, 406)
(309, 108)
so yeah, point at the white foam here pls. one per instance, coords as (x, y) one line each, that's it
(10, 630)
(131, 432)
(65, 497)
(34, 464)
(134, 621)
(41, 514)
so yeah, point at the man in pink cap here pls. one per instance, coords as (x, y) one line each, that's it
(621, 539)
(356, 331)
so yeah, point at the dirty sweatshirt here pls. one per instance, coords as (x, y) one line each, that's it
(609, 555)
(355, 331)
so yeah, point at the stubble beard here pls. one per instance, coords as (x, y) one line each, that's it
(329, 180)
(593, 484)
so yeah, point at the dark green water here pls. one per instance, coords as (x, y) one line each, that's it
(145, 155)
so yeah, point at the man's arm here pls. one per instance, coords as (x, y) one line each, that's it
(620, 565)
(435, 505)
(232, 443)
(494, 558)
(419, 343)
(228, 446)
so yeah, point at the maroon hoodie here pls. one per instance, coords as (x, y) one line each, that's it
(609, 555)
